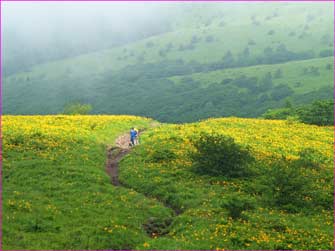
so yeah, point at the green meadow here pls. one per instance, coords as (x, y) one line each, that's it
(57, 194)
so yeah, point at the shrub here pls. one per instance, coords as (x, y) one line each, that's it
(219, 155)
(319, 113)
(288, 186)
(236, 204)
(163, 154)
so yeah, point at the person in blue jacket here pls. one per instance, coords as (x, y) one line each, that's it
(133, 135)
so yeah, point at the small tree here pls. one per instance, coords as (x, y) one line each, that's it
(288, 185)
(319, 113)
(237, 203)
(219, 155)
(77, 108)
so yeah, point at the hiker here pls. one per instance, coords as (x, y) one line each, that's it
(137, 136)
(133, 135)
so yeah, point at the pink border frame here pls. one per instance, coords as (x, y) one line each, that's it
(181, 1)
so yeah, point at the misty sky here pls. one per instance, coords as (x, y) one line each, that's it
(36, 32)
(32, 17)
(38, 19)
(43, 31)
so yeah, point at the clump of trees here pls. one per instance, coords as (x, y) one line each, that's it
(167, 68)
(220, 155)
(312, 70)
(320, 113)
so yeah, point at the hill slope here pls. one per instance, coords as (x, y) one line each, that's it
(149, 90)
(203, 38)
(57, 195)
(269, 209)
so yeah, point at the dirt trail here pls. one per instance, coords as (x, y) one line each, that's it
(115, 154)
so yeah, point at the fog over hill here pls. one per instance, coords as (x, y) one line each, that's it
(172, 61)
(53, 30)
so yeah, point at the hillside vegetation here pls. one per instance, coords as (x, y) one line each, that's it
(57, 195)
(204, 42)
(285, 202)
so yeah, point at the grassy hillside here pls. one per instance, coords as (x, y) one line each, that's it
(274, 213)
(154, 90)
(56, 194)
(297, 74)
(203, 38)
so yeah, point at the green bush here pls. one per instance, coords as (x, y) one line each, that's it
(236, 204)
(288, 186)
(319, 113)
(219, 155)
(162, 154)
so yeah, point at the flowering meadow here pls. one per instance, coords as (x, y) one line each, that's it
(56, 193)
(206, 205)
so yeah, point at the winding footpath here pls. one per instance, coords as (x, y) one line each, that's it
(115, 155)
